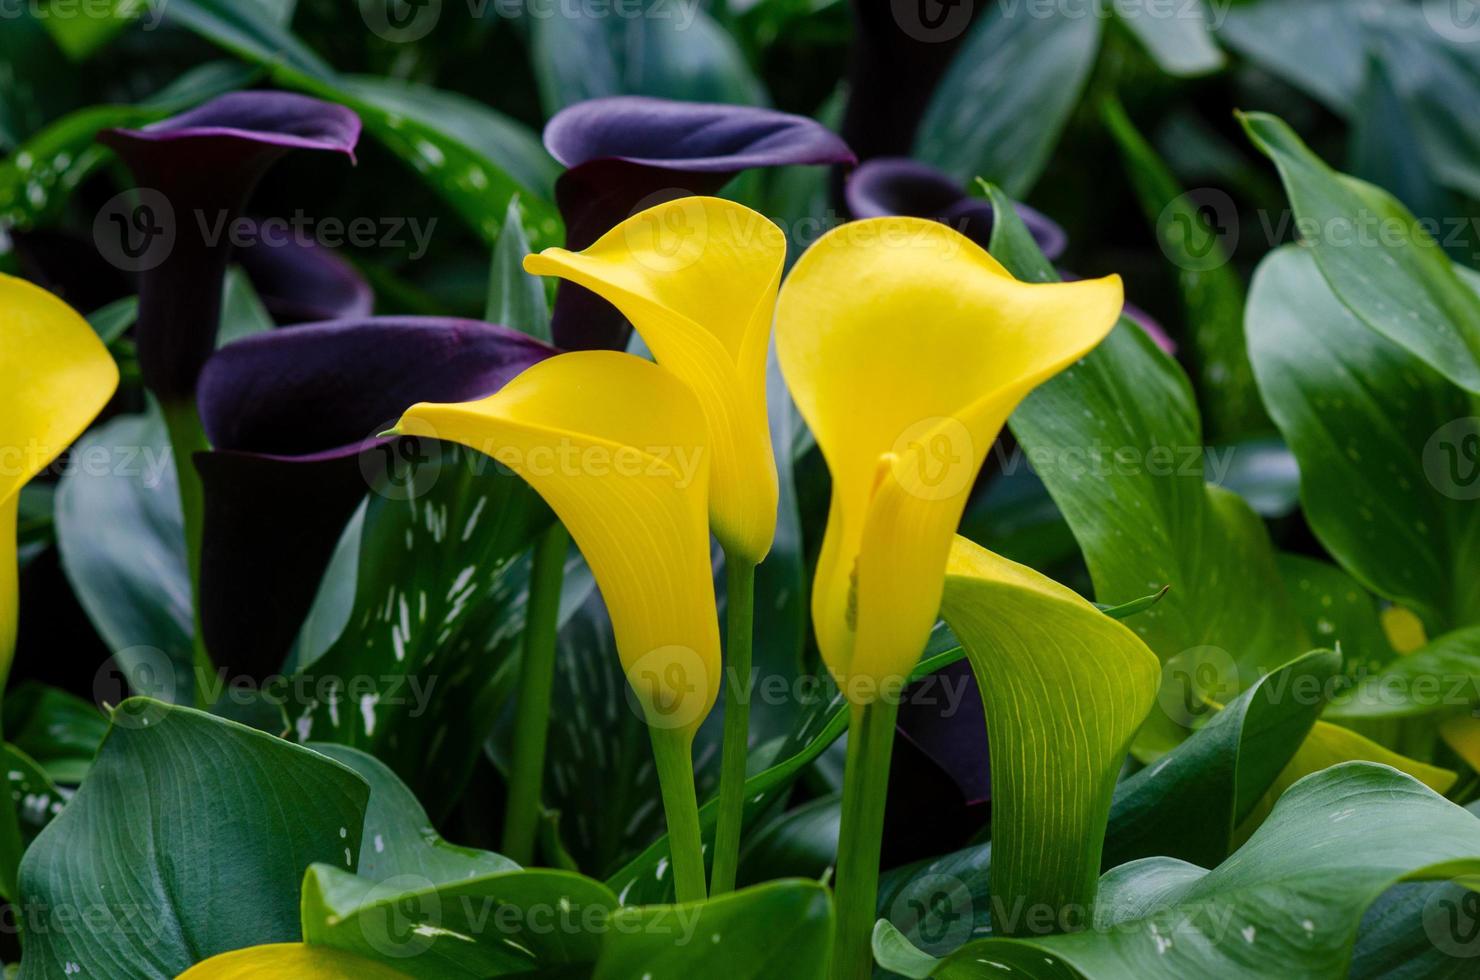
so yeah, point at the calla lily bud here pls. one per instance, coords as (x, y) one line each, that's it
(697, 277)
(906, 347)
(618, 447)
(56, 376)
(195, 173)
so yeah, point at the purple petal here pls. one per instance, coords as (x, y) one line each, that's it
(195, 172)
(898, 185)
(628, 153)
(301, 281)
(953, 735)
(1153, 329)
(293, 416)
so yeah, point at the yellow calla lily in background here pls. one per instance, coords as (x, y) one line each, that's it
(619, 449)
(55, 377)
(906, 347)
(697, 277)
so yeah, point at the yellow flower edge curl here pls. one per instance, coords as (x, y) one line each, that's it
(698, 278)
(618, 448)
(55, 375)
(906, 347)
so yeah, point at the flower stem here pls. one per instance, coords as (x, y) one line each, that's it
(673, 752)
(536, 677)
(739, 622)
(865, 781)
(187, 437)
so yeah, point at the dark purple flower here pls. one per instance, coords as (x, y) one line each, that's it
(628, 153)
(293, 415)
(195, 172)
(897, 185)
(301, 281)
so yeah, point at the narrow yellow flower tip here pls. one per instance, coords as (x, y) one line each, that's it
(619, 449)
(56, 376)
(698, 277)
(906, 347)
(298, 960)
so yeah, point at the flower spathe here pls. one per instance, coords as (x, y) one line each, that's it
(697, 277)
(906, 347)
(56, 376)
(618, 447)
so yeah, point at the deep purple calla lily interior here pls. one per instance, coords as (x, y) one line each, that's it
(301, 281)
(293, 414)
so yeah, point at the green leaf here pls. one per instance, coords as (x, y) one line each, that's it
(1117, 440)
(1442, 677)
(82, 29)
(781, 928)
(60, 731)
(35, 798)
(1381, 440)
(516, 299)
(799, 842)
(1212, 295)
(477, 159)
(189, 838)
(1178, 38)
(1381, 264)
(438, 608)
(114, 319)
(1317, 45)
(1004, 100)
(1188, 804)
(1065, 689)
(654, 48)
(1287, 903)
(122, 545)
(510, 922)
(1337, 612)
(398, 837)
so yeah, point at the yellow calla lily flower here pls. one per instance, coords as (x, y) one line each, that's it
(618, 449)
(697, 277)
(906, 347)
(56, 376)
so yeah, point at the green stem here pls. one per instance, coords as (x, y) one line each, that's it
(536, 678)
(739, 622)
(673, 752)
(11, 844)
(187, 437)
(865, 780)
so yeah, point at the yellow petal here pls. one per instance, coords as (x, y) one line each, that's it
(697, 277)
(1403, 629)
(55, 376)
(277, 961)
(906, 347)
(618, 448)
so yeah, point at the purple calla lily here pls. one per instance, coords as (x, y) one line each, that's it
(897, 185)
(627, 153)
(195, 172)
(291, 414)
(301, 281)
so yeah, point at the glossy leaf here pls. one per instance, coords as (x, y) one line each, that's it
(209, 858)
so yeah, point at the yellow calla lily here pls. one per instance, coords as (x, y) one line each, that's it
(56, 376)
(617, 447)
(297, 960)
(697, 277)
(906, 347)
